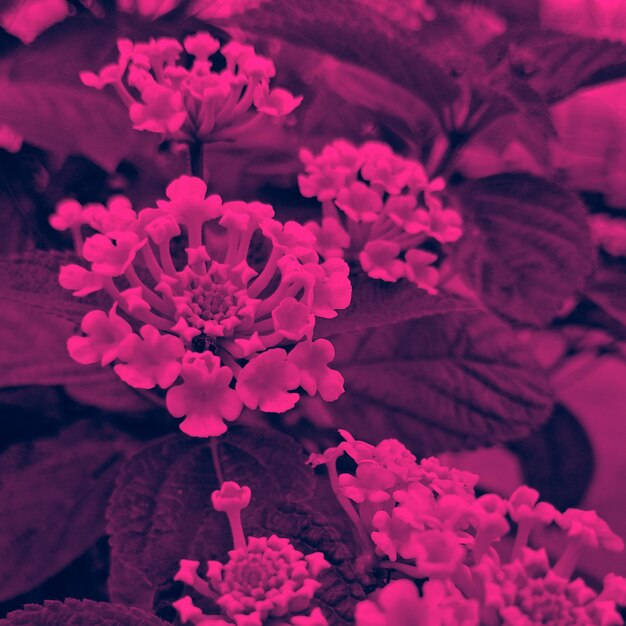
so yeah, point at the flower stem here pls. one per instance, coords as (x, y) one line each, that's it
(215, 455)
(197, 165)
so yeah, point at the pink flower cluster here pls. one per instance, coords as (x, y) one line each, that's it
(214, 301)
(194, 103)
(609, 233)
(265, 581)
(426, 522)
(379, 208)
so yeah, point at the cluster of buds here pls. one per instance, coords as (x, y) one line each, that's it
(425, 521)
(609, 233)
(214, 301)
(196, 103)
(378, 208)
(266, 581)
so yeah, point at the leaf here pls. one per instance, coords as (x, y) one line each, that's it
(558, 459)
(558, 64)
(526, 248)
(353, 33)
(68, 120)
(377, 303)
(161, 510)
(53, 498)
(445, 382)
(83, 612)
(607, 290)
(343, 586)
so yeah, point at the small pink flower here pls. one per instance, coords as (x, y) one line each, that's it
(403, 211)
(277, 102)
(118, 215)
(161, 111)
(103, 335)
(67, 214)
(79, 280)
(438, 553)
(188, 204)
(331, 237)
(380, 260)
(332, 289)
(149, 360)
(446, 225)
(111, 255)
(419, 270)
(231, 497)
(10, 139)
(205, 398)
(372, 483)
(265, 382)
(201, 46)
(312, 359)
(359, 202)
(293, 320)
(29, 18)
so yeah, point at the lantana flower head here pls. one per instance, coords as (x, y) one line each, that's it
(379, 209)
(227, 323)
(265, 580)
(430, 524)
(194, 103)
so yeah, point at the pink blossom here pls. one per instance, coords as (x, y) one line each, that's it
(265, 382)
(264, 577)
(312, 359)
(380, 260)
(112, 255)
(419, 270)
(331, 237)
(10, 139)
(103, 334)
(211, 301)
(359, 202)
(27, 19)
(79, 280)
(378, 208)
(149, 360)
(67, 214)
(205, 398)
(196, 103)
(371, 483)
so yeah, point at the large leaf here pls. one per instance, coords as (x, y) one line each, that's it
(557, 64)
(53, 498)
(161, 510)
(558, 459)
(68, 119)
(36, 318)
(355, 34)
(83, 612)
(446, 382)
(377, 303)
(526, 247)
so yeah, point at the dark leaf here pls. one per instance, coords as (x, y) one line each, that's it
(355, 34)
(558, 459)
(161, 510)
(444, 382)
(558, 64)
(80, 612)
(377, 303)
(68, 119)
(607, 290)
(343, 585)
(53, 498)
(526, 247)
